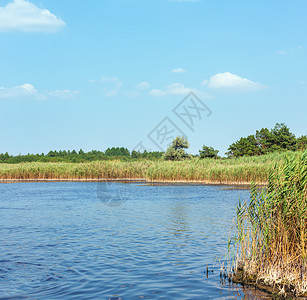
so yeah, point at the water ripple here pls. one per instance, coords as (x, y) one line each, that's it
(60, 241)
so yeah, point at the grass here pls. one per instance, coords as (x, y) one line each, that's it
(73, 171)
(271, 239)
(237, 170)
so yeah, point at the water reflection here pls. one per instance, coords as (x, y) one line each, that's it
(179, 221)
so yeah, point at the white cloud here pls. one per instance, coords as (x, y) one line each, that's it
(64, 94)
(231, 81)
(21, 91)
(172, 89)
(22, 15)
(142, 86)
(112, 85)
(110, 80)
(178, 70)
(281, 52)
(177, 89)
(132, 94)
(110, 93)
(28, 91)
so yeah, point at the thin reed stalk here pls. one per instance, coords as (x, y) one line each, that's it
(271, 230)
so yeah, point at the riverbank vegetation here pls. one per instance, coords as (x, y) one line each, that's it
(249, 159)
(81, 156)
(208, 170)
(271, 240)
(264, 141)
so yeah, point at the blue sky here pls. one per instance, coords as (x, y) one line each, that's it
(96, 74)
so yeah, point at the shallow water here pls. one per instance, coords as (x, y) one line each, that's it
(115, 241)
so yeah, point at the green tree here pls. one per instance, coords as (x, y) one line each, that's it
(52, 153)
(277, 139)
(265, 141)
(282, 138)
(176, 150)
(244, 146)
(208, 152)
(117, 151)
(302, 142)
(135, 154)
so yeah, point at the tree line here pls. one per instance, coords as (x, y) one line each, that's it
(264, 141)
(81, 156)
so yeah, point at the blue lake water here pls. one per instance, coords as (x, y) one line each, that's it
(115, 241)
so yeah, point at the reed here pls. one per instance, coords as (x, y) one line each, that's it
(227, 171)
(74, 171)
(271, 230)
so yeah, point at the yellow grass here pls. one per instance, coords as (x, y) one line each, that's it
(228, 171)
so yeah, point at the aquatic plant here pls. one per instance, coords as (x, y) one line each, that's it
(228, 171)
(114, 169)
(271, 230)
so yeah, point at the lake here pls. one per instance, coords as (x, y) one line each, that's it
(81, 240)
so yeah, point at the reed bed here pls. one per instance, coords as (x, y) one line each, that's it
(74, 171)
(241, 170)
(208, 171)
(227, 171)
(271, 239)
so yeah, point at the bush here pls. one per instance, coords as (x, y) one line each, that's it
(176, 150)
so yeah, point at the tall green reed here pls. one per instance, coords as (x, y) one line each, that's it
(271, 229)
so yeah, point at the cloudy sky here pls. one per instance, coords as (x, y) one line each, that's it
(102, 73)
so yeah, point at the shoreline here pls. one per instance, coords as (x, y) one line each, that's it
(233, 172)
(273, 291)
(127, 180)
